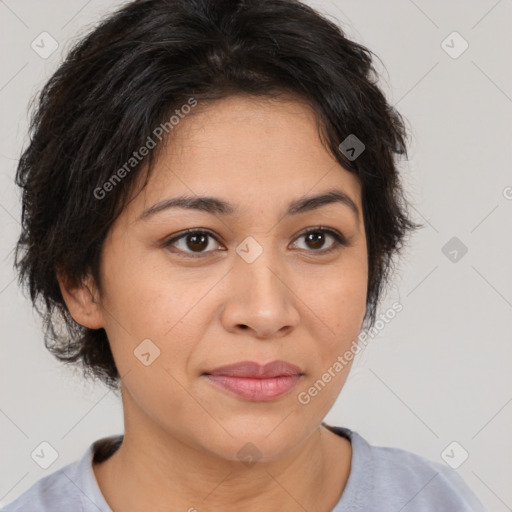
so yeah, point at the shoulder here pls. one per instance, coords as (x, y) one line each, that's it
(422, 481)
(71, 488)
(55, 492)
(393, 478)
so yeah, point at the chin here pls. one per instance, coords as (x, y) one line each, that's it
(261, 443)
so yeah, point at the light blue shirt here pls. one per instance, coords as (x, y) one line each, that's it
(381, 480)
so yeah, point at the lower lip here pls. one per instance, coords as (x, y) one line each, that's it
(258, 390)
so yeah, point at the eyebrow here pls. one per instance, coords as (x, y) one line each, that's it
(215, 205)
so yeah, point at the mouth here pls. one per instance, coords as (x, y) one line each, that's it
(255, 382)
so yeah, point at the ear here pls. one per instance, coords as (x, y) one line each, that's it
(82, 301)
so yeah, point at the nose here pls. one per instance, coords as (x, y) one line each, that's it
(260, 299)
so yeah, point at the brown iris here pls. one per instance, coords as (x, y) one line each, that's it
(197, 242)
(315, 240)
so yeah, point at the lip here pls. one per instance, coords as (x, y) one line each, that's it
(256, 382)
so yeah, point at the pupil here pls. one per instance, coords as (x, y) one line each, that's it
(200, 245)
(317, 239)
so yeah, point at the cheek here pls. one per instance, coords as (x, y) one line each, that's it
(339, 306)
(346, 307)
(168, 307)
(146, 300)
(338, 298)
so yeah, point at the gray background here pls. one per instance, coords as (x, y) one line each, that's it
(440, 371)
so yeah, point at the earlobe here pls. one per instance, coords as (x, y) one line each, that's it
(82, 301)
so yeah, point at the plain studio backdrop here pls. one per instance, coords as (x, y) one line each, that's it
(437, 378)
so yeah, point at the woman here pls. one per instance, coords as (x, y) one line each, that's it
(211, 204)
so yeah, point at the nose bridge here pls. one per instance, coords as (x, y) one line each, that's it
(257, 266)
(260, 299)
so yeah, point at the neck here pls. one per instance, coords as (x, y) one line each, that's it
(142, 475)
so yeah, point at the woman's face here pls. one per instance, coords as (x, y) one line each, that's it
(253, 288)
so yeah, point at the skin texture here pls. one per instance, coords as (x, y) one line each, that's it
(182, 434)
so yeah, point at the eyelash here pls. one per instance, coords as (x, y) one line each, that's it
(340, 241)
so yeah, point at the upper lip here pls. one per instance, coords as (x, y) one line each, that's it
(251, 369)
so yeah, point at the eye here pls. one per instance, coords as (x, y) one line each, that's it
(195, 242)
(315, 239)
(194, 239)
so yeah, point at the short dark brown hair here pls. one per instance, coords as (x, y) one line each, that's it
(128, 76)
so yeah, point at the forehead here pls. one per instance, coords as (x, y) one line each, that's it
(248, 150)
